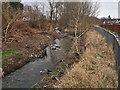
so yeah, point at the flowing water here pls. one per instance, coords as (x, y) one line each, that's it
(29, 74)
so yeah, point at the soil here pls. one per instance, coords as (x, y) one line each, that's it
(28, 41)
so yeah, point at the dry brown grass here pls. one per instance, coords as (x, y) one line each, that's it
(95, 69)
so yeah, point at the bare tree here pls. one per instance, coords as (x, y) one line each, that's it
(10, 16)
(79, 16)
(55, 11)
(51, 14)
(36, 16)
(82, 17)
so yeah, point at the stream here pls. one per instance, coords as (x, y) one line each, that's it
(29, 74)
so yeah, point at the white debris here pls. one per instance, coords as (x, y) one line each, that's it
(31, 55)
(53, 48)
(48, 36)
(44, 86)
(1, 72)
(35, 55)
(56, 28)
(98, 57)
(57, 31)
(41, 71)
(56, 79)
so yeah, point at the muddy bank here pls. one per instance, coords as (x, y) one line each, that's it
(24, 46)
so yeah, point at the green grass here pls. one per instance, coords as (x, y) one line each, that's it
(10, 53)
(7, 55)
(54, 73)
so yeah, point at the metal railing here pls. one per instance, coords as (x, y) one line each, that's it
(113, 40)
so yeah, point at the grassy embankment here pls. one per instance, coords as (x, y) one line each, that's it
(96, 68)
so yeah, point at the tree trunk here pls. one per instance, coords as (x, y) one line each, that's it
(76, 41)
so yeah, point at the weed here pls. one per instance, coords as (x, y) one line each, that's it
(86, 74)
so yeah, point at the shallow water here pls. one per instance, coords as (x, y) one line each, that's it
(29, 74)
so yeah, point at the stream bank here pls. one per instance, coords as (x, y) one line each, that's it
(95, 69)
(71, 58)
(29, 74)
(24, 47)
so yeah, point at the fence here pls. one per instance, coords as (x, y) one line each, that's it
(113, 40)
(112, 27)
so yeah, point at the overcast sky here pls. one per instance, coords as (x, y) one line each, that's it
(107, 7)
